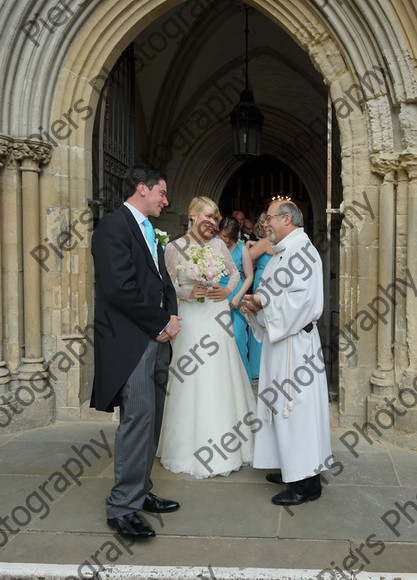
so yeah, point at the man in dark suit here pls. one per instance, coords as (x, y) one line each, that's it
(243, 235)
(135, 318)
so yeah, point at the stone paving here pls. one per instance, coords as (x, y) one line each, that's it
(53, 490)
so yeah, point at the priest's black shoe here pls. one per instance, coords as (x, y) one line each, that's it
(159, 505)
(307, 489)
(291, 497)
(132, 525)
(274, 477)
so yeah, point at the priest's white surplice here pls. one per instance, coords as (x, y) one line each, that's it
(292, 397)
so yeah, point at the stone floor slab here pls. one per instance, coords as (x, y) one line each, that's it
(14, 494)
(63, 431)
(367, 469)
(80, 509)
(209, 508)
(354, 441)
(405, 464)
(222, 521)
(59, 548)
(15, 488)
(46, 457)
(385, 557)
(356, 513)
(245, 474)
(166, 550)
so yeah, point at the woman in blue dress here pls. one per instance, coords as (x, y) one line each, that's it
(260, 252)
(228, 232)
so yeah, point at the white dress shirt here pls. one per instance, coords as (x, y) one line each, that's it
(140, 218)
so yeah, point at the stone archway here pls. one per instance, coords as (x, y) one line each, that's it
(375, 115)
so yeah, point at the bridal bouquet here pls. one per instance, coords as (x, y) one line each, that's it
(204, 266)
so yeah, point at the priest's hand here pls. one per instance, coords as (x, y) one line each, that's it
(250, 303)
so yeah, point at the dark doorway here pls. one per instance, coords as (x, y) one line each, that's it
(251, 189)
(114, 135)
(253, 186)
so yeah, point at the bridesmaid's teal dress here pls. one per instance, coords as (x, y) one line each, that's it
(240, 328)
(255, 347)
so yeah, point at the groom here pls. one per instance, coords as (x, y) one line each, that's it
(135, 318)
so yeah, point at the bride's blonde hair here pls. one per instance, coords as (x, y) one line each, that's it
(197, 204)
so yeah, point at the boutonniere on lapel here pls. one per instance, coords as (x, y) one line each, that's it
(161, 237)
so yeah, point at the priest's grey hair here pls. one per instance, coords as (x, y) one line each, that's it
(294, 211)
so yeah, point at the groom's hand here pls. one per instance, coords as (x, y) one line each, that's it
(163, 337)
(173, 327)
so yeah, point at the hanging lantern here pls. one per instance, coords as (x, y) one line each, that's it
(247, 123)
(246, 118)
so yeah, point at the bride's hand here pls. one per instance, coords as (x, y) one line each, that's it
(218, 293)
(198, 291)
(234, 303)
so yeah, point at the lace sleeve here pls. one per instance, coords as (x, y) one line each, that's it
(172, 259)
(234, 275)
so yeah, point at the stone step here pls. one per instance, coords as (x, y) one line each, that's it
(10, 571)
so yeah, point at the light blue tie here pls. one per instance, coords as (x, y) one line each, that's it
(150, 235)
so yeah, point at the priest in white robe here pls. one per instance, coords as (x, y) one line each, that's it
(293, 404)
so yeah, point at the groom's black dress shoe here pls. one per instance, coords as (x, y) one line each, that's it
(159, 505)
(274, 477)
(132, 525)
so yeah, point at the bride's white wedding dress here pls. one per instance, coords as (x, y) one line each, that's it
(209, 417)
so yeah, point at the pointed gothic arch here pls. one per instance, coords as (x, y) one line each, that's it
(348, 45)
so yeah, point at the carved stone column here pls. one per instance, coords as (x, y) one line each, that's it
(31, 154)
(382, 378)
(400, 323)
(409, 379)
(5, 149)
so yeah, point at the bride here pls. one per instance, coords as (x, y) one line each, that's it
(209, 417)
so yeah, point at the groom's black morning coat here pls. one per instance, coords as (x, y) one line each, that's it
(133, 302)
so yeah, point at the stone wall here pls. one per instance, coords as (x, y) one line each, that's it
(47, 292)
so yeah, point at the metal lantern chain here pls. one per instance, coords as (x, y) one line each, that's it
(246, 118)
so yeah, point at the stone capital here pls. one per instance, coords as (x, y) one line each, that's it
(5, 148)
(409, 163)
(35, 151)
(384, 164)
